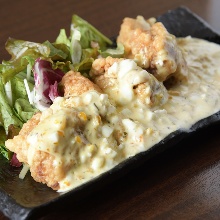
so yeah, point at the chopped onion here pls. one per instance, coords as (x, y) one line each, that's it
(24, 171)
(30, 96)
(28, 71)
(8, 92)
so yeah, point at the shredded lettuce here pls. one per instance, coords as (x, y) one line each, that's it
(62, 38)
(85, 44)
(114, 52)
(18, 88)
(57, 51)
(24, 109)
(19, 49)
(8, 114)
(89, 34)
(3, 149)
(75, 47)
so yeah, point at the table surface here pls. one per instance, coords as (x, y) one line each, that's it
(180, 183)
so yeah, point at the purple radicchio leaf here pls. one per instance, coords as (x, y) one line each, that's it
(14, 161)
(46, 81)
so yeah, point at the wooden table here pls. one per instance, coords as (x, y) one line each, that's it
(181, 183)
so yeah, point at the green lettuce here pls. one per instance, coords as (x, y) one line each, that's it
(19, 49)
(62, 38)
(87, 58)
(85, 44)
(3, 138)
(7, 111)
(89, 34)
(114, 52)
(18, 88)
(14, 113)
(24, 109)
(75, 47)
(57, 51)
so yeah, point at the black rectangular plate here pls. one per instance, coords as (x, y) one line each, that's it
(24, 199)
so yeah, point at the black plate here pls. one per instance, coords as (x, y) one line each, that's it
(23, 199)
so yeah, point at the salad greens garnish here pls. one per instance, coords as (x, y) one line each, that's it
(57, 51)
(89, 34)
(3, 149)
(19, 49)
(114, 52)
(8, 113)
(29, 81)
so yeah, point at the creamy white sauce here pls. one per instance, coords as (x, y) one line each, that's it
(94, 134)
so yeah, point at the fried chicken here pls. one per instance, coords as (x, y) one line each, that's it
(153, 48)
(124, 81)
(75, 84)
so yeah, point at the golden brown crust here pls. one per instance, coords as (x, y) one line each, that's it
(19, 143)
(43, 170)
(153, 48)
(75, 84)
(150, 92)
(101, 65)
(99, 72)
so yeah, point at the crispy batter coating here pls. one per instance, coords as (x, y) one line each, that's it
(42, 169)
(153, 48)
(151, 93)
(147, 89)
(99, 72)
(75, 84)
(101, 65)
(19, 143)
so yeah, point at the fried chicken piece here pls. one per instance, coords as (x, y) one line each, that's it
(45, 164)
(153, 48)
(42, 164)
(102, 65)
(55, 121)
(125, 82)
(99, 72)
(75, 84)
(19, 144)
(38, 140)
(43, 170)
